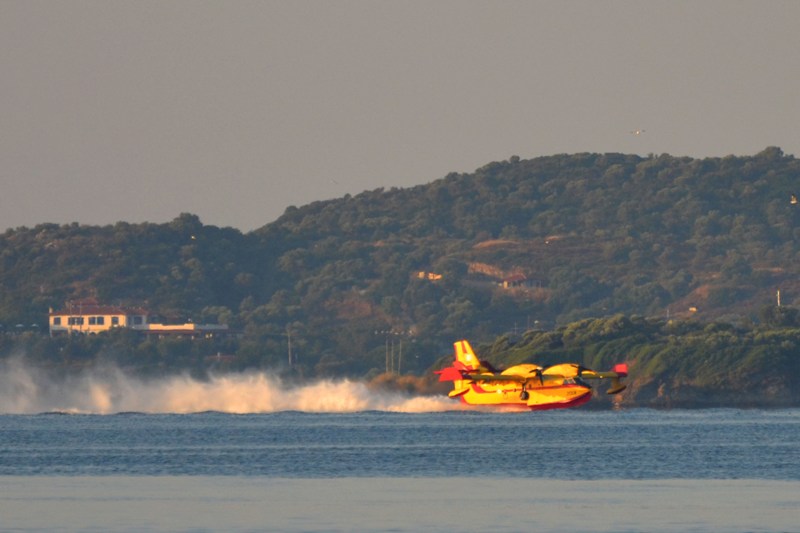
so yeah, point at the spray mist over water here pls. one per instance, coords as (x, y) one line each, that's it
(25, 390)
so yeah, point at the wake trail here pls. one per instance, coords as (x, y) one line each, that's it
(28, 391)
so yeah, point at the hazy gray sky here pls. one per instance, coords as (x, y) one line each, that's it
(141, 110)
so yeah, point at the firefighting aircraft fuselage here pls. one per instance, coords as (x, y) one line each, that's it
(527, 386)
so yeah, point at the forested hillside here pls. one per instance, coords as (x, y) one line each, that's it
(673, 364)
(571, 237)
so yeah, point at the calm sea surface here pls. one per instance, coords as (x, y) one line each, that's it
(571, 470)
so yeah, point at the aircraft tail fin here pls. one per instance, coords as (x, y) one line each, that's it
(465, 362)
(465, 357)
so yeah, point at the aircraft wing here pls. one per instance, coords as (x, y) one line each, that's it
(454, 374)
(619, 371)
(499, 377)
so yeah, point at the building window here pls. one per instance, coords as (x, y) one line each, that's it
(137, 321)
(92, 320)
(115, 321)
(56, 320)
(75, 321)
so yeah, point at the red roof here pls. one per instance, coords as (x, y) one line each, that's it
(93, 308)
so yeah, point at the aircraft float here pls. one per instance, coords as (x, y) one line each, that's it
(529, 386)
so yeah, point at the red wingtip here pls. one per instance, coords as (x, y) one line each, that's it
(621, 369)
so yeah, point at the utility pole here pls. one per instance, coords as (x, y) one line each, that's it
(400, 357)
(393, 346)
(289, 343)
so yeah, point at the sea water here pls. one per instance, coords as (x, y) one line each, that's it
(568, 470)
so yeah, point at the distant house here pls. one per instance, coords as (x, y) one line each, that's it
(430, 276)
(515, 280)
(88, 316)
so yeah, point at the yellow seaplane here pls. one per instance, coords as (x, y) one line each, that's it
(526, 386)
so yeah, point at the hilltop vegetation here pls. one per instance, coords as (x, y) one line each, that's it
(592, 235)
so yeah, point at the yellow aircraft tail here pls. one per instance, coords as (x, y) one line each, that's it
(466, 357)
(464, 364)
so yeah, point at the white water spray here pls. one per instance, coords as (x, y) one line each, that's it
(24, 390)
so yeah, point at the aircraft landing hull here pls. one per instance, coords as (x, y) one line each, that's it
(560, 397)
(574, 402)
